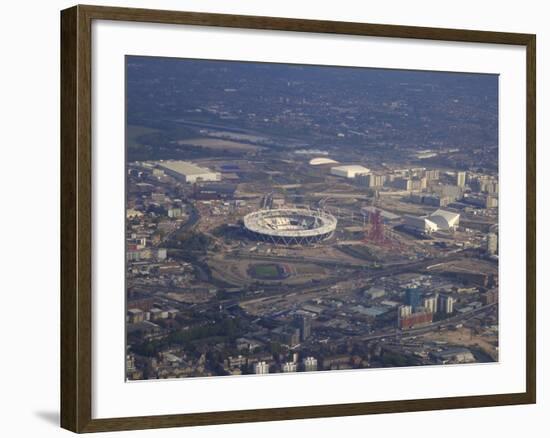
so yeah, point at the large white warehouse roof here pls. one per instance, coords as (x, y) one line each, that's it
(189, 171)
(184, 167)
(349, 171)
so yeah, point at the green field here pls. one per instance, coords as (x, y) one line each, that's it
(265, 271)
(133, 133)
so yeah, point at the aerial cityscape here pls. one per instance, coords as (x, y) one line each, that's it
(294, 218)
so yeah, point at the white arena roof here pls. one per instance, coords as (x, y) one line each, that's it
(438, 220)
(319, 161)
(420, 223)
(445, 219)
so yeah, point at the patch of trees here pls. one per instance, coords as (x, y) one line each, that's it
(393, 359)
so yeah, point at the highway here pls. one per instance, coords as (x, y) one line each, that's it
(457, 319)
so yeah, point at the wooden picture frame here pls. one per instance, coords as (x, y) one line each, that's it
(76, 217)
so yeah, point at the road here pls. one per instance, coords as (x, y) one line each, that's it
(457, 319)
(194, 217)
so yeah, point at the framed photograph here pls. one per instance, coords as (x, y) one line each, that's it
(269, 218)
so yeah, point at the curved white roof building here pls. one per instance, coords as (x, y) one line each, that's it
(420, 223)
(445, 220)
(321, 160)
(438, 220)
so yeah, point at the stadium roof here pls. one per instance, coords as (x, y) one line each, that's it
(291, 225)
(319, 161)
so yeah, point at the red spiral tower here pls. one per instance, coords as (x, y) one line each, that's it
(376, 233)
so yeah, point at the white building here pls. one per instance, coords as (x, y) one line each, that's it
(310, 364)
(174, 212)
(189, 172)
(375, 292)
(289, 367)
(261, 368)
(131, 213)
(162, 253)
(438, 220)
(420, 223)
(492, 243)
(404, 311)
(350, 171)
(430, 303)
(445, 220)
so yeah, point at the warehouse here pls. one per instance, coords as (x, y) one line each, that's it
(189, 172)
(350, 171)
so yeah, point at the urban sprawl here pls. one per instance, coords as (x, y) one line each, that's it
(255, 250)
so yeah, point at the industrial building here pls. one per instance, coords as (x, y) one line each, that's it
(350, 171)
(455, 355)
(189, 172)
(374, 292)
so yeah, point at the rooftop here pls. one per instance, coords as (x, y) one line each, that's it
(351, 168)
(319, 161)
(184, 167)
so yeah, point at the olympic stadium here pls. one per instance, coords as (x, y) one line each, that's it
(290, 226)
